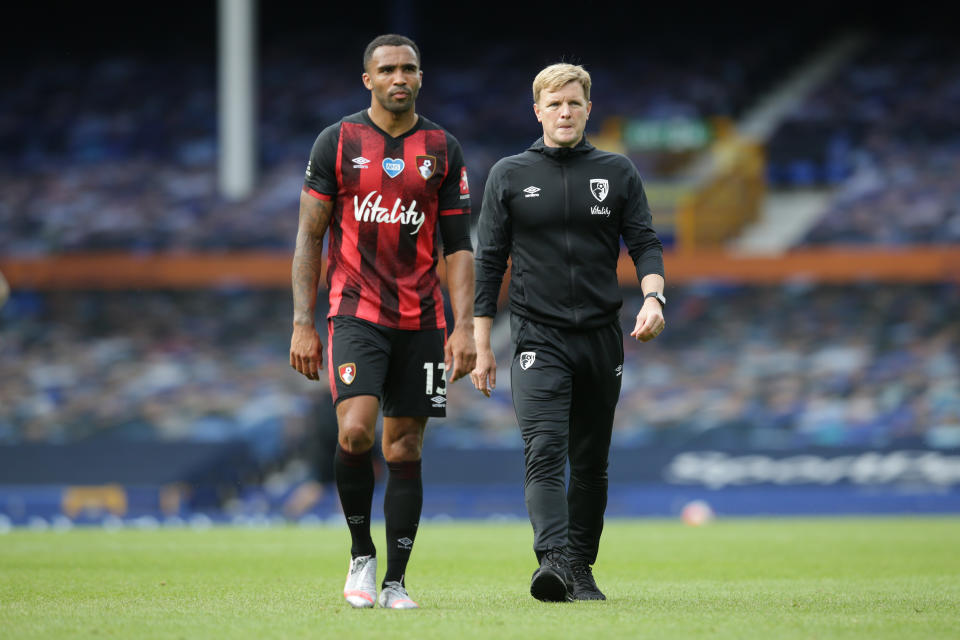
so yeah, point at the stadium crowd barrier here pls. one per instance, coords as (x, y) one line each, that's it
(487, 484)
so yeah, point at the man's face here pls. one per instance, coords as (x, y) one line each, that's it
(563, 114)
(393, 76)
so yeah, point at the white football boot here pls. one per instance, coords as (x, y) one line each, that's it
(395, 596)
(361, 587)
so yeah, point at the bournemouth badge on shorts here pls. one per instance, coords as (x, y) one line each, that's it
(426, 165)
(348, 372)
(527, 358)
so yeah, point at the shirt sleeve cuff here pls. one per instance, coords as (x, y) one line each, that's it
(317, 194)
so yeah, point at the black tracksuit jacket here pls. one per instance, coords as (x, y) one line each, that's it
(559, 214)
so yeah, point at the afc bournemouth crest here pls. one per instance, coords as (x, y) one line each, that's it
(527, 358)
(426, 165)
(348, 372)
(599, 187)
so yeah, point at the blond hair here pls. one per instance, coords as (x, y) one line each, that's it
(557, 75)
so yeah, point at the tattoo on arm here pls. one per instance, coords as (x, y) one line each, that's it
(308, 257)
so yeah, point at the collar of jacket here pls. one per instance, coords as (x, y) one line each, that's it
(561, 153)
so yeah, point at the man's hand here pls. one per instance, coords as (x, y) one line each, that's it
(650, 321)
(460, 352)
(306, 351)
(484, 375)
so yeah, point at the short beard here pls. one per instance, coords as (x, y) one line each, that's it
(395, 107)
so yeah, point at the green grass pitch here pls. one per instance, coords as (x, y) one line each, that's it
(740, 578)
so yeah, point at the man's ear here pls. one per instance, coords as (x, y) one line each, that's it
(366, 80)
(536, 110)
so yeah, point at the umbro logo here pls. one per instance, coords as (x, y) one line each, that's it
(360, 162)
(356, 519)
(532, 192)
(619, 369)
(405, 543)
(438, 401)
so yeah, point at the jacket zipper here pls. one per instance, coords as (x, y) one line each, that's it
(566, 237)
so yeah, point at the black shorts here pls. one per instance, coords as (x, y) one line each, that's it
(403, 369)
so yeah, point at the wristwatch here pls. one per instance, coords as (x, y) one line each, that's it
(658, 296)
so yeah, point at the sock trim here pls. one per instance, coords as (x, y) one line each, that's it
(354, 459)
(406, 470)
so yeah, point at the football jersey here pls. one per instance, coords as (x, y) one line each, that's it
(388, 196)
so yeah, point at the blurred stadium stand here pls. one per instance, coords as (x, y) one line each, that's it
(884, 134)
(782, 366)
(143, 351)
(96, 160)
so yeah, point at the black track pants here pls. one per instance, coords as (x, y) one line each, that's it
(565, 389)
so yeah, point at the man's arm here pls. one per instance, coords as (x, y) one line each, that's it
(460, 350)
(636, 227)
(484, 374)
(453, 203)
(306, 351)
(650, 320)
(647, 254)
(494, 241)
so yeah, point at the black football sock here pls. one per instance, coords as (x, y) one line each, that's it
(402, 505)
(354, 476)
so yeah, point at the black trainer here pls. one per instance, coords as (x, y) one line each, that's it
(552, 582)
(584, 586)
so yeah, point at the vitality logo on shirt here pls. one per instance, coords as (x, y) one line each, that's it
(597, 210)
(393, 166)
(369, 210)
(527, 358)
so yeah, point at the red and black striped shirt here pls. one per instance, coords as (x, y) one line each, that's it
(390, 195)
